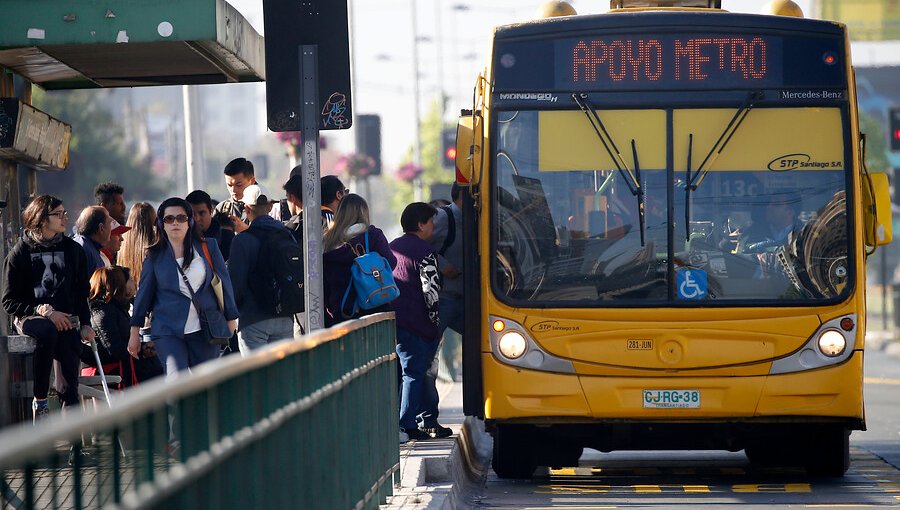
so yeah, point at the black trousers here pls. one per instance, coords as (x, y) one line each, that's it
(63, 346)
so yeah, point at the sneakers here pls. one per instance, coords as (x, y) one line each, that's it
(40, 409)
(438, 431)
(84, 458)
(416, 434)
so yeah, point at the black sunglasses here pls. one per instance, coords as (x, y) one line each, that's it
(180, 218)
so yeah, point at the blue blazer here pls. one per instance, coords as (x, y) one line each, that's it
(159, 291)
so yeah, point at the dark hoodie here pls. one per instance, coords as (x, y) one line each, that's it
(241, 264)
(55, 273)
(336, 274)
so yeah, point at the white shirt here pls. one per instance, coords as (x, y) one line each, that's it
(196, 274)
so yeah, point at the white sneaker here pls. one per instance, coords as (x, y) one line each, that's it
(404, 437)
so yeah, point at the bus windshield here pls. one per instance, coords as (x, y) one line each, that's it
(762, 220)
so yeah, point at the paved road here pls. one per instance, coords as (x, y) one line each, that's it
(714, 479)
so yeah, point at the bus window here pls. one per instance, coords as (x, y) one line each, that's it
(764, 197)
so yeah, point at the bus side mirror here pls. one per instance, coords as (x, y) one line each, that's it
(877, 208)
(469, 145)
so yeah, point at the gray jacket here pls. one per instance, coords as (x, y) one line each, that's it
(453, 254)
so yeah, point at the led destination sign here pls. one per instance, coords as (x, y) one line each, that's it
(668, 62)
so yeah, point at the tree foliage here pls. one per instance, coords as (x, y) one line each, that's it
(97, 152)
(434, 173)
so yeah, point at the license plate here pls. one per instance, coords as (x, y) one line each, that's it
(672, 399)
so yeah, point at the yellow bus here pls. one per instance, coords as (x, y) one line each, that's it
(666, 231)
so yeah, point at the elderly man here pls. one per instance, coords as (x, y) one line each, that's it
(111, 249)
(93, 228)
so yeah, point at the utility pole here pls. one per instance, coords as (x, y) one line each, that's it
(417, 147)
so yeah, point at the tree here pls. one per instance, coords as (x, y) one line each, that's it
(97, 152)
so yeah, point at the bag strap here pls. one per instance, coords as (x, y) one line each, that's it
(367, 240)
(451, 230)
(344, 302)
(191, 290)
(206, 254)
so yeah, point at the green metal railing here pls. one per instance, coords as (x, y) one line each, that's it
(309, 423)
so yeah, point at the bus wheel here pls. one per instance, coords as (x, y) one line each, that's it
(829, 453)
(513, 455)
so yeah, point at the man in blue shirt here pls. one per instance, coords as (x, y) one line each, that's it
(93, 228)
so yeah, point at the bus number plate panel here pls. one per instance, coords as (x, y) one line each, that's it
(671, 399)
(640, 344)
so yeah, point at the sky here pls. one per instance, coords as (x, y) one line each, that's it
(452, 43)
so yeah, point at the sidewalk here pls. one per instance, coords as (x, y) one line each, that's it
(444, 473)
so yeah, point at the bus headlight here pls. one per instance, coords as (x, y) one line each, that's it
(512, 344)
(832, 343)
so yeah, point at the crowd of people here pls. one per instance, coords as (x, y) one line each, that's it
(158, 291)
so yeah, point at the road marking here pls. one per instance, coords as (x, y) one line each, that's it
(642, 489)
(696, 488)
(563, 472)
(790, 487)
(881, 380)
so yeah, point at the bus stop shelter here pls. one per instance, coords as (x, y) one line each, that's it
(79, 44)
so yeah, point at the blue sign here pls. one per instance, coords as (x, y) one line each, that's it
(691, 283)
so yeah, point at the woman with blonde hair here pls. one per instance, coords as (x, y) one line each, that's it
(142, 222)
(342, 243)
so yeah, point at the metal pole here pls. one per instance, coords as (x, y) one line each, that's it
(884, 291)
(417, 147)
(193, 139)
(312, 195)
(439, 36)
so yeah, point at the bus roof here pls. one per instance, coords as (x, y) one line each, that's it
(652, 20)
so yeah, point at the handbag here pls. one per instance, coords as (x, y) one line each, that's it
(212, 322)
(216, 282)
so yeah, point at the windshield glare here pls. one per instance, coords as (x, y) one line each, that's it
(754, 234)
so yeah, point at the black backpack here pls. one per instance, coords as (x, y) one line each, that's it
(277, 279)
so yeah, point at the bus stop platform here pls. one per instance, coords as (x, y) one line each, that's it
(444, 473)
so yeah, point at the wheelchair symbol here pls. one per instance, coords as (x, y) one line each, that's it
(691, 284)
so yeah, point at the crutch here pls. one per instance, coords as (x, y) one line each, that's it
(104, 384)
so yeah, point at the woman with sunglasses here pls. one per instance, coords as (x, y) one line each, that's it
(112, 290)
(175, 279)
(45, 290)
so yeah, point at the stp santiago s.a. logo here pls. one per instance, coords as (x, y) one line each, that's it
(788, 162)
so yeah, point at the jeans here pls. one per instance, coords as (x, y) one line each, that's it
(415, 355)
(63, 346)
(450, 313)
(259, 334)
(177, 354)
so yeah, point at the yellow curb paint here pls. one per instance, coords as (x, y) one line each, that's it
(641, 489)
(696, 488)
(881, 380)
(563, 472)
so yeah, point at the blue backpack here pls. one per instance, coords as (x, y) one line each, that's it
(372, 279)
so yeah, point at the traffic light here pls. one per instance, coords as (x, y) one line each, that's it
(894, 121)
(448, 148)
(368, 139)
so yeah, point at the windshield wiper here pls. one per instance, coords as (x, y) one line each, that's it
(687, 190)
(631, 180)
(722, 142)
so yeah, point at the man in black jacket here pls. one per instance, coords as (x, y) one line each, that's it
(201, 202)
